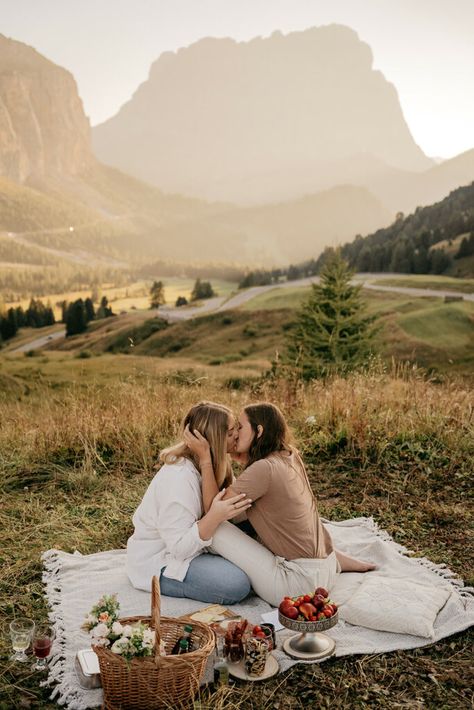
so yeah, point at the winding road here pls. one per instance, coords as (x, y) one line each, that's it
(220, 303)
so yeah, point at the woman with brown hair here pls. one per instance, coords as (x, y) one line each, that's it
(171, 529)
(297, 554)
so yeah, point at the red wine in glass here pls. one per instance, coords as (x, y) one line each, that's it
(42, 646)
(42, 643)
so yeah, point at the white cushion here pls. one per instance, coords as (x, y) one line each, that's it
(395, 604)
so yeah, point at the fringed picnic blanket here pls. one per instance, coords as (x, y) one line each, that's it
(404, 596)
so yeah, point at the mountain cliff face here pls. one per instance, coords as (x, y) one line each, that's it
(43, 128)
(256, 121)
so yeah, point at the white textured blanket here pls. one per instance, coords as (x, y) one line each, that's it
(74, 582)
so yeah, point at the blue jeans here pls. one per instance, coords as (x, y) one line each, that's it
(210, 578)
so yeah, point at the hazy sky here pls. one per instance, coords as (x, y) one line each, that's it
(425, 47)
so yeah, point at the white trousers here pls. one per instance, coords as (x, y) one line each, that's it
(273, 577)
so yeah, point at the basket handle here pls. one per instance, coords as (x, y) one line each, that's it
(156, 612)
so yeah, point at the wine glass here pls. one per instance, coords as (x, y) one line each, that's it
(43, 638)
(21, 631)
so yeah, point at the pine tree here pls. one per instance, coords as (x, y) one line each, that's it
(90, 312)
(196, 292)
(76, 318)
(466, 248)
(440, 261)
(202, 289)
(332, 332)
(8, 324)
(157, 294)
(104, 310)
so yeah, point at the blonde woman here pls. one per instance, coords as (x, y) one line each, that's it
(297, 554)
(171, 529)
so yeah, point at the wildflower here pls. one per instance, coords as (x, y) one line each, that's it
(100, 630)
(120, 645)
(148, 637)
(104, 616)
(117, 628)
(103, 642)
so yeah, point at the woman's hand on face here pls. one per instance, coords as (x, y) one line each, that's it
(227, 509)
(198, 444)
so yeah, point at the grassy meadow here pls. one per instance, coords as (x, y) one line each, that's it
(75, 431)
(429, 281)
(432, 334)
(83, 421)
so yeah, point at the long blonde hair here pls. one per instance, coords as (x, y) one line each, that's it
(212, 421)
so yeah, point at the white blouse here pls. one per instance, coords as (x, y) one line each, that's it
(166, 533)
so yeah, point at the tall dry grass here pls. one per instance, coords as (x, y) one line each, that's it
(120, 428)
(75, 461)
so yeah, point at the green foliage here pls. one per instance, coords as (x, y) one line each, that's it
(157, 294)
(76, 320)
(104, 310)
(260, 277)
(406, 246)
(181, 301)
(89, 308)
(332, 332)
(37, 315)
(466, 248)
(202, 290)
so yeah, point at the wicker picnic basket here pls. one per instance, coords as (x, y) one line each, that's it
(156, 681)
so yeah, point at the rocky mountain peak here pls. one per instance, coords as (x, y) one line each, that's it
(43, 128)
(259, 120)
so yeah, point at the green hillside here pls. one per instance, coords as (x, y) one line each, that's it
(417, 243)
(24, 208)
(117, 216)
(435, 335)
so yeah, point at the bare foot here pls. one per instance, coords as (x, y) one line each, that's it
(350, 564)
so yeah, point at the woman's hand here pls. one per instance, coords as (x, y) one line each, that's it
(227, 509)
(198, 444)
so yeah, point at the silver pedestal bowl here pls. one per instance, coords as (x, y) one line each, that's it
(310, 643)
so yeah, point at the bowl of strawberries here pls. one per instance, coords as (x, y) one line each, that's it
(310, 614)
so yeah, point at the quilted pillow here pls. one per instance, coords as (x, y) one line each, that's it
(393, 604)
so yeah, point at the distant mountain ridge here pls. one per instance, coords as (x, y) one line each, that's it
(259, 121)
(48, 186)
(50, 181)
(401, 190)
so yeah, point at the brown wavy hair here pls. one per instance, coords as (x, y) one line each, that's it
(275, 437)
(212, 421)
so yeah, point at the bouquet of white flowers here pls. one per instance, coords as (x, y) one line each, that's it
(127, 640)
